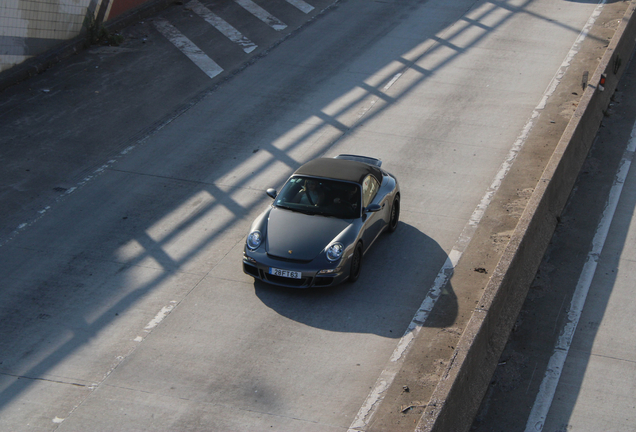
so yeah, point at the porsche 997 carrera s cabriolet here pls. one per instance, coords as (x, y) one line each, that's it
(323, 221)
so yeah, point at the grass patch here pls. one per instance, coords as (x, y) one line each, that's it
(97, 34)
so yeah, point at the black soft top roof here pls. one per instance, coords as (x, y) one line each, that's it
(339, 169)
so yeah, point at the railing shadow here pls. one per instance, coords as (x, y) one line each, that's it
(93, 265)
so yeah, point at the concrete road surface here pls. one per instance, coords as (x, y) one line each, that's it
(131, 175)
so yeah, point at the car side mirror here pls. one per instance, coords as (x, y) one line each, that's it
(271, 192)
(372, 208)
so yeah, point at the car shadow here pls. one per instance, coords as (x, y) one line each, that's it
(397, 275)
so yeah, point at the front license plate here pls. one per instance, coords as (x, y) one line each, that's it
(285, 273)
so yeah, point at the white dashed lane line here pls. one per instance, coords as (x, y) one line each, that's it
(262, 14)
(187, 47)
(228, 31)
(202, 60)
(301, 5)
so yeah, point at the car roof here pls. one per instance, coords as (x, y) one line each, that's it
(340, 169)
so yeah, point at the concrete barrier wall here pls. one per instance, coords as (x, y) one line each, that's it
(31, 27)
(458, 395)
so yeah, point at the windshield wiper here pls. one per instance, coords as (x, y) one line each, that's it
(321, 213)
(283, 206)
(305, 211)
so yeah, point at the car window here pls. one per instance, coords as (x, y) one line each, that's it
(370, 188)
(320, 196)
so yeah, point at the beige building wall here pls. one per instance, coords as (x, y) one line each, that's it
(31, 27)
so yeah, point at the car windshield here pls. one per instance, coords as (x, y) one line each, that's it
(324, 197)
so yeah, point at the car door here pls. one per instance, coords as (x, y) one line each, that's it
(373, 222)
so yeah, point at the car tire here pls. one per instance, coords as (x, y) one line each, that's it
(356, 264)
(395, 214)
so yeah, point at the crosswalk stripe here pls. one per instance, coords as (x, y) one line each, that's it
(261, 14)
(230, 32)
(300, 4)
(187, 47)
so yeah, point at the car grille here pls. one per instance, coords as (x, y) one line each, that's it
(323, 281)
(289, 260)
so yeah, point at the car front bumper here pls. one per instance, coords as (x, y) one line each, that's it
(258, 266)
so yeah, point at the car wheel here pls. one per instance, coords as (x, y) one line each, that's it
(395, 214)
(356, 264)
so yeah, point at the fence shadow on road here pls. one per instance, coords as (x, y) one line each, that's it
(154, 235)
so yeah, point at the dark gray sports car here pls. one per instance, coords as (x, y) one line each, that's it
(328, 214)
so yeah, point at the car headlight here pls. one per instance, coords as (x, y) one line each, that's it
(334, 252)
(254, 240)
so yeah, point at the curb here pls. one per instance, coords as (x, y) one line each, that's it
(41, 62)
(457, 397)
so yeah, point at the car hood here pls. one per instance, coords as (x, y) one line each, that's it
(300, 236)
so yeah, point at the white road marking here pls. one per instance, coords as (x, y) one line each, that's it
(384, 381)
(393, 80)
(374, 100)
(261, 14)
(544, 398)
(574, 51)
(160, 316)
(187, 47)
(301, 5)
(218, 23)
